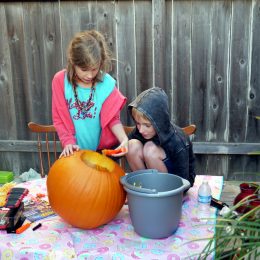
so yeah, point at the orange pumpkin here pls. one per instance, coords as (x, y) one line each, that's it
(84, 189)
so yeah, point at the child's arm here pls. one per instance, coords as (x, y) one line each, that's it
(60, 114)
(119, 132)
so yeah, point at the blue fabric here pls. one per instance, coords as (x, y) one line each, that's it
(169, 165)
(87, 122)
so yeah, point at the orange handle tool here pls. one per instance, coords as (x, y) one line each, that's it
(116, 151)
(22, 228)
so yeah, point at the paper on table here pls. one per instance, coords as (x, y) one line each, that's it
(38, 210)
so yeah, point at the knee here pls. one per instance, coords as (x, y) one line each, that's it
(135, 147)
(150, 151)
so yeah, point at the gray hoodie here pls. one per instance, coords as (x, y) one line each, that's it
(153, 103)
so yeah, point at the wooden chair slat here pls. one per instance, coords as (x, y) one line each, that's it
(46, 134)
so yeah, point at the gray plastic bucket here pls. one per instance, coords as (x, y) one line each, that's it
(154, 201)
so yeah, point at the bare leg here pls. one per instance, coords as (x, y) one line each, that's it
(153, 157)
(135, 156)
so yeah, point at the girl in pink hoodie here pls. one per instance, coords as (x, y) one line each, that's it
(86, 103)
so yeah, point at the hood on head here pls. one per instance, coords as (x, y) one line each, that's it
(153, 103)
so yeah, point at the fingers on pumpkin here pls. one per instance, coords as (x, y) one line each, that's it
(109, 152)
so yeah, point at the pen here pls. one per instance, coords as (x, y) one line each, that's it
(22, 228)
(37, 226)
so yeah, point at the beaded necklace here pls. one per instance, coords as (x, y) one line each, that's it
(86, 107)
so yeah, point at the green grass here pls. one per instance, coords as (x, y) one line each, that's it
(236, 236)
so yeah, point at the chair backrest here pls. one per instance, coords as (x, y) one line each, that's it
(47, 145)
(189, 130)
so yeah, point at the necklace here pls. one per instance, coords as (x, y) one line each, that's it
(84, 106)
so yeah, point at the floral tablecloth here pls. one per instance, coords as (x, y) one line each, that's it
(116, 240)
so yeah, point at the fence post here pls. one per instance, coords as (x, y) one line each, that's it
(158, 42)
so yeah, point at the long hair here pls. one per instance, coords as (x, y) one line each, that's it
(87, 50)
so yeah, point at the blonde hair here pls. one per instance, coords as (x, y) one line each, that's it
(137, 114)
(87, 50)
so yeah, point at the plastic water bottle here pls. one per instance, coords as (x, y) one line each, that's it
(204, 199)
(204, 193)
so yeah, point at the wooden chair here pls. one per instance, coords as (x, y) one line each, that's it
(189, 130)
(47, 143)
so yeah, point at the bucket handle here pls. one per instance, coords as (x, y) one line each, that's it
(135, 188)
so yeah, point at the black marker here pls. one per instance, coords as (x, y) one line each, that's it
(37, 226)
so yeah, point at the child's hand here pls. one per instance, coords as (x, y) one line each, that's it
(122, 149)
(69, 150)
(116, 152)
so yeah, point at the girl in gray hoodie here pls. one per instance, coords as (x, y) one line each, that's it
(156, 143)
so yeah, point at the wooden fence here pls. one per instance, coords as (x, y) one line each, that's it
(205, 54)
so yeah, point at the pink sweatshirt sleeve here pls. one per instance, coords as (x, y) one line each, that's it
(115, 120)
(110, 115)
(60, 113)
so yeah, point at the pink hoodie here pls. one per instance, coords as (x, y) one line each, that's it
(109, 115)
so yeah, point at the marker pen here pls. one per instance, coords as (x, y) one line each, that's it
(37, 226)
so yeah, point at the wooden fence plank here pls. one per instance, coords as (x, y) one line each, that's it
(181, 62)
(200, 72)
(106, 24)
(218, 77)
(7, 115)
(239, 78)
(200, 43)
(7, 102)
(199, 147)
(125, 25)
(239, 70)
(253, 131)
(144, 47)
(19, 68)
(51, 56)
(70, 19)
(158, 42)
